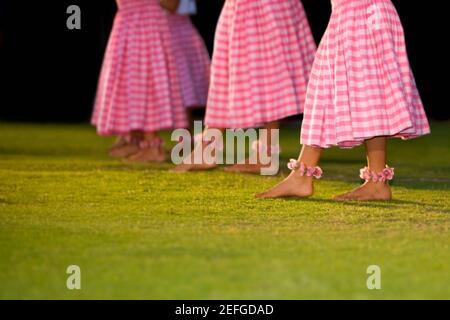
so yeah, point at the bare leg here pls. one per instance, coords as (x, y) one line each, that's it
(190, 165)
(376, 160)
(296, 185)
(151, 153)
(247, 167)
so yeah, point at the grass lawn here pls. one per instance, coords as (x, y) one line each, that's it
(142, 232)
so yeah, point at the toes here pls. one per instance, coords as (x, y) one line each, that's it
(341, 197)
(264, 195)
(349, 197)
(270, 194)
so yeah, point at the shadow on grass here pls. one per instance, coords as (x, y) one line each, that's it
(415, 183)
(371, 204)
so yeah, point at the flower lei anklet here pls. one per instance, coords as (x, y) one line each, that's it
(148, 144)
(304, 170)
(386, 175)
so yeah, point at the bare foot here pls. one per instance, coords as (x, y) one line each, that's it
(194, 167)
(190, 165)
(147, 155)
(246, 168)
(369, 191)
(293, 186)
(123, 151)
(120, 142)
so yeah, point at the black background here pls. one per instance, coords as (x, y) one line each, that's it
(366, 310)
(49, 73)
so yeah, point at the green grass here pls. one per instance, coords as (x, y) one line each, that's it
(142, 232)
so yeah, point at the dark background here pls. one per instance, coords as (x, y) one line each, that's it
(49, 73)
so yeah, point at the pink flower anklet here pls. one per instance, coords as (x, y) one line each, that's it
(386, 175)
(304, 170)
(149, 144)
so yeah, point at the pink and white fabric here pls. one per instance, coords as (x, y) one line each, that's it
(262, 59)
(361, 83)
(192, 60)
(139, 86)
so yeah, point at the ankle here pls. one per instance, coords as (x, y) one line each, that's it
(151, 143)
(302, 179)
(377, 185)
(304, 170)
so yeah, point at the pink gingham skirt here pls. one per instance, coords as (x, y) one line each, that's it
(361, 83)
(263, 56)
(192, 60)
(139, 87)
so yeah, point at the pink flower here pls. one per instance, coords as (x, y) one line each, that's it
(293, 165)
(302, 169)
(376, 177)
(388, 173)
(364, 174)
(317, 173)
(310, 171)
